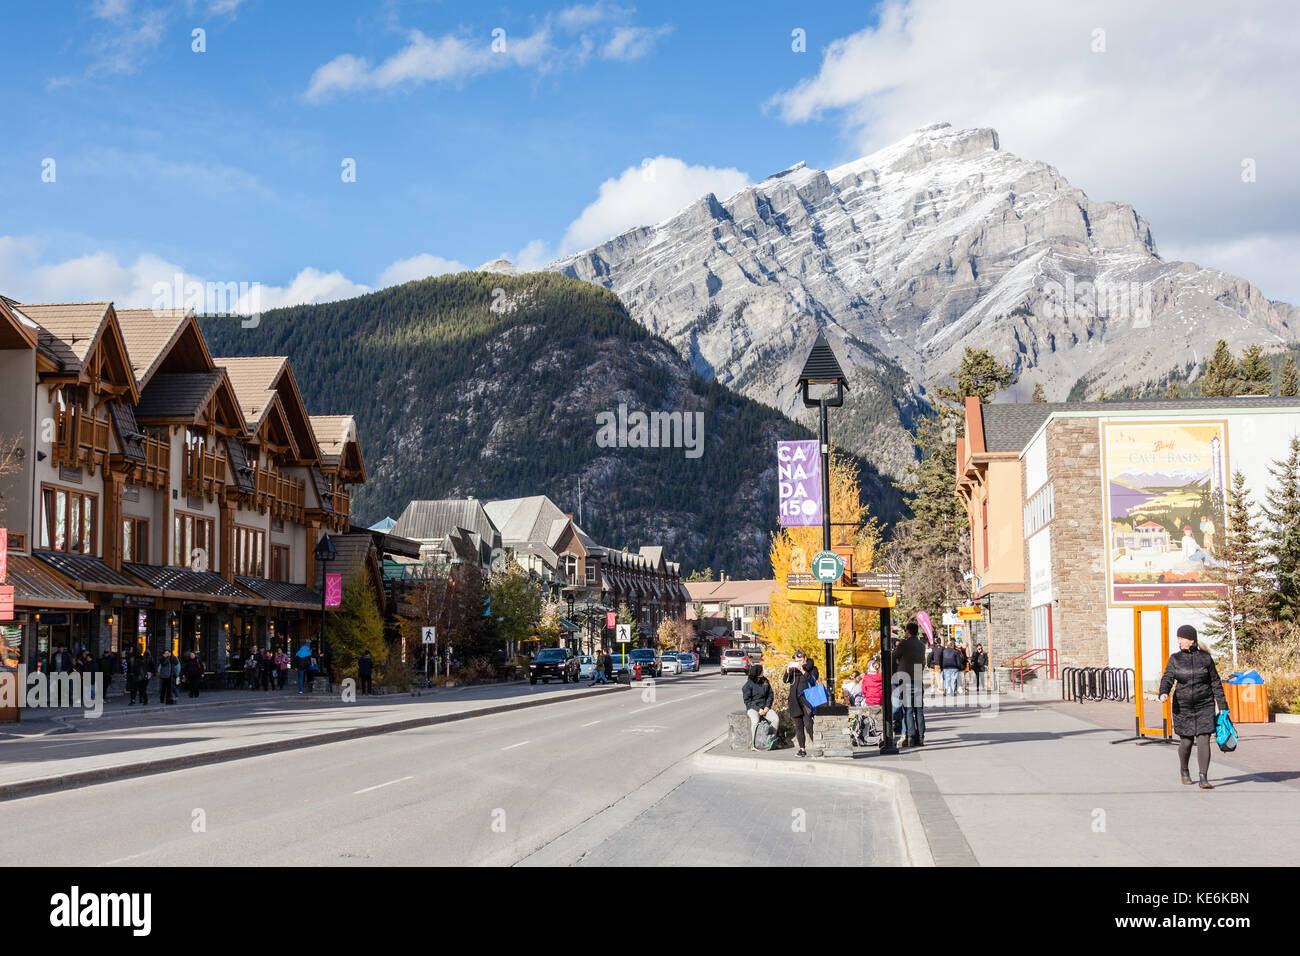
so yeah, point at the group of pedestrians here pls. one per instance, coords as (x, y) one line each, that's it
(172, 672)
(950, 663)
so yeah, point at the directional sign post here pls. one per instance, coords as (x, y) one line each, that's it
(428, 635)
(623, 635)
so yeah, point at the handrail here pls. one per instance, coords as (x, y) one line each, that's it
(1027, 662)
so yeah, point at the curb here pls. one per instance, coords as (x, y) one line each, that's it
(915, 843)
(83, 778)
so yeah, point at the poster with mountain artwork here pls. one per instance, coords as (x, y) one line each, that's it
(1164, 489)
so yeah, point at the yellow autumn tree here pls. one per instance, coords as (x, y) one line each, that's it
(790, 626)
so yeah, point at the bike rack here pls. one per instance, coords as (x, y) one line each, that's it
(1081, 684)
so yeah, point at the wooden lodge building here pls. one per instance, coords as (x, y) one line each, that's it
(162, 497)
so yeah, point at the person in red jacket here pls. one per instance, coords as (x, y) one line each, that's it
(871, 684)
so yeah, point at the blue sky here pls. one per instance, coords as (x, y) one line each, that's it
(226, 164)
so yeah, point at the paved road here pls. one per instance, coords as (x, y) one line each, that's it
(489, 790)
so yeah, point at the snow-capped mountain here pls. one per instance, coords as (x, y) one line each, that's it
(908, 255)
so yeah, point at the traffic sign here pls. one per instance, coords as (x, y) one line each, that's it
(827, 567)
(623, 633)
(428, 635)
(828, 623)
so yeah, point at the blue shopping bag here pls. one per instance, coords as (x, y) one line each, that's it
(1225, 733)
(815, 695)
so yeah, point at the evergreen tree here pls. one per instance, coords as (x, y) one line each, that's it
(1289, 380)
(1039, 395)
(1282, 542)
(1241, 571)
(931, 549)
(1173, 391)
(1256, 372)
(1222, 378)
(355, 626)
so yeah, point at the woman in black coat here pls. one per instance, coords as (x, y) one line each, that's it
(1198, 691)
(800, 675)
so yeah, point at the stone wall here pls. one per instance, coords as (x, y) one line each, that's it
(1006, 632)
(1079, 537)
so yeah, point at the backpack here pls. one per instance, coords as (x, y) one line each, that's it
(764, 736)
(863, 731)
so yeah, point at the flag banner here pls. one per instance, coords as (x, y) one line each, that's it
(333, 590)
(799, 480)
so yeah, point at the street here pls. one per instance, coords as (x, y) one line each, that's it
(489, 790)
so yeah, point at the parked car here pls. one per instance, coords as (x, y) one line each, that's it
(670, 664)
(586, 666)
(558, 662)
(734, 660)
(648, 658)
(690, 661)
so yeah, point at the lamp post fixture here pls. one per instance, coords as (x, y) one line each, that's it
(325, 553)
(822, 369)
(570, 618)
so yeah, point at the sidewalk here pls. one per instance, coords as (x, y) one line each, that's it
(77, 751)
(1037, 784)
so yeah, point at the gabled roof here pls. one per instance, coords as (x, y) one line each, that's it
(179, 395)
(255, 379)
(70, 333)
(340, 449)
(153, 335)
(431, 520)
(76, 325)
(16, 331)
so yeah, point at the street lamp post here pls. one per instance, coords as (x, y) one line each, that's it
(325, 553)
(823, 368)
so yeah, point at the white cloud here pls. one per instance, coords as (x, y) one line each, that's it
(27, 275)
(533, 256)
(643, 195)
(454, 57)
(1161, 117)
(417, 267)
(632, 43)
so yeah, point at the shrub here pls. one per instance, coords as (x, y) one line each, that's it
(1275, 653)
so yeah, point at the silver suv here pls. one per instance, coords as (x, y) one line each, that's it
(734, 660)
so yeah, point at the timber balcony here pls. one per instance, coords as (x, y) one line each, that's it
(205, 472)
(284, 497)
(342, 506)
(154, 470)
(80, 438)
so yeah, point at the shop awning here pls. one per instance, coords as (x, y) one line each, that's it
(92, 574)
(280, 593)
(37, 585)
(190, 585)
(569, 625)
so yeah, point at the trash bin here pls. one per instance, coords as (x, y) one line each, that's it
(1247, 698)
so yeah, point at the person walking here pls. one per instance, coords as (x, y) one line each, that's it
(934, 661)
(168, 670)
(909, 678)
(979, 663)
(282, 668)
(302, 660)
(142, 669)
(598, 669)
(193, 671)
(365, 667)
(800, 674)
(609, 667)
(759, 697)
(1194, 682)
(963, 667)
(950, 661)
(268, 670)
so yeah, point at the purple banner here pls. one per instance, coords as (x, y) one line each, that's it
(799, 477)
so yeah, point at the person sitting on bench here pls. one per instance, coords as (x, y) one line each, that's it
(758, 696)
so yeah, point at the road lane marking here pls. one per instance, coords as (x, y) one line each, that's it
(592, 724)
(675, 700)
(520, 744)
(378, 785)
